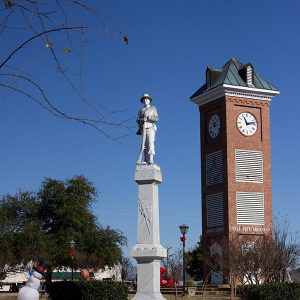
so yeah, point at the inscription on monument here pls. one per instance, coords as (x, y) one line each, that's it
(145, 211)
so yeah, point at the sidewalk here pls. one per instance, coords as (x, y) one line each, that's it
(13, 296)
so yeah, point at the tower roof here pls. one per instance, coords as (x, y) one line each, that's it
(232, 73)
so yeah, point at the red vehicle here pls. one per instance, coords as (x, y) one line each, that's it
(165, 279)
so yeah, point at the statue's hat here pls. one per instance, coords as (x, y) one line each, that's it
(146, 96)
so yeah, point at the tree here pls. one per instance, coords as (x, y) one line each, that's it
(194, 261)
(20, 226)
(254, 259)
(128, 270)
(64, 205)
(287, 248)
(173, 264)
(41, 225)
(54, 34)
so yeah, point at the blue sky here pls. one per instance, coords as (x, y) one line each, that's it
(170, 45)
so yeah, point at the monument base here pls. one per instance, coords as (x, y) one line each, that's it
(148, 279)
(148, 252)
(150, 296)
(148, 259)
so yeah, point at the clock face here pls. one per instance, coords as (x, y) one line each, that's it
(246, 123)
(214, 126)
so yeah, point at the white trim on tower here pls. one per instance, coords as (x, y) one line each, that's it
(236, 91)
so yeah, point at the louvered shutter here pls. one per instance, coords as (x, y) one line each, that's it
(215, 210)
(214, 168)
(249, 165)
(250, 208)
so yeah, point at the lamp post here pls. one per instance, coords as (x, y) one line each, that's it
(72, 252)
(183, 229)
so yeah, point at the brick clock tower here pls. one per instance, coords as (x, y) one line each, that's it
(234, 106)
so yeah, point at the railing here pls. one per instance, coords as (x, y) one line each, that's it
(178, 290)
(11, 286)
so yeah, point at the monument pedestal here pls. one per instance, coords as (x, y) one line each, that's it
(148, 252)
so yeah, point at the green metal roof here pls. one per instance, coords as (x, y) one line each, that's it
(229, 74)
(65, 275)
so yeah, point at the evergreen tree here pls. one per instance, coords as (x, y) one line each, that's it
(41, 226)
(194, 261)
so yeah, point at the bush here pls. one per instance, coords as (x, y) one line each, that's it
(88, 290)
(190, 283)
(272, 291)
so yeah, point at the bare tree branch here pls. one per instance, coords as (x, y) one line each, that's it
(43, 20)
(53, 110)
(35, 37)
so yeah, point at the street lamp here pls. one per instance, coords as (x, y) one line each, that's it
(183, 229)
(72, 252)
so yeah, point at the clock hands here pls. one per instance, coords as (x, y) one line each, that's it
(214, 120)
(249, 123)
(245, 120)
(252, 123)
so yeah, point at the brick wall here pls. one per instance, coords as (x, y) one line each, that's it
(229, 139)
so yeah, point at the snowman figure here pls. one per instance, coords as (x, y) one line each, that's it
(30, 290)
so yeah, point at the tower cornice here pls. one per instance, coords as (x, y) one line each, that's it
(236, 91)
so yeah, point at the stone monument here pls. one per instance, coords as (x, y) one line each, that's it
(148, 252)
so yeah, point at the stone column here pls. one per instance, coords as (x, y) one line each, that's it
(148, 252)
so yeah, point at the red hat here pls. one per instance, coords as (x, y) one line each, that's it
(41, 267)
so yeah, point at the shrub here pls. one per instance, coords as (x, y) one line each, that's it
(88, 290)
(272, 291)
(190, 283)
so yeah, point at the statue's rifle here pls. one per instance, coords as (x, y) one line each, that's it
(139, 160)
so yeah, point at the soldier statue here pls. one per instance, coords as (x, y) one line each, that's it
(147, 117)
